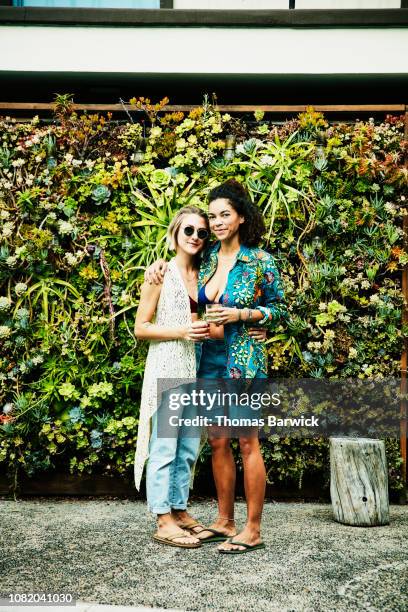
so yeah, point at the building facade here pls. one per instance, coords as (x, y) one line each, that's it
(248, 52)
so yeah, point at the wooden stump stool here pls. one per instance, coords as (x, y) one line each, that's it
(359, 481)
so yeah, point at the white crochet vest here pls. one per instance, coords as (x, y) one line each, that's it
(165, 359)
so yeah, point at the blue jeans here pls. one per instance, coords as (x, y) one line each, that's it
(168, 469)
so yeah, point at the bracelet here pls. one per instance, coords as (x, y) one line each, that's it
(249, 315)
(264, 319)
(239, 314)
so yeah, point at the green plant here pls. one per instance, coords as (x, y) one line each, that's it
(80, 219)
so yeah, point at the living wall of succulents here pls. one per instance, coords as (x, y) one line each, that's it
(84, 206)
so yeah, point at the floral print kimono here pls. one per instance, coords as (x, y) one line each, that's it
(254, 283)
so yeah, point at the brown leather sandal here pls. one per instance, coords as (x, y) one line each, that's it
(169, 540)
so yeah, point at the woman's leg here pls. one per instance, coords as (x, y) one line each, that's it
(254, 484)
(158, 470)
(213, 366)
(187, 451)
(223, 465)
(186, 454)
(159, 475)
(188, 445)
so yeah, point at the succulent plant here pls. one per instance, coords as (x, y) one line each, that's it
(101, 194)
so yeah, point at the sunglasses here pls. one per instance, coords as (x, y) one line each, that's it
(202, 233)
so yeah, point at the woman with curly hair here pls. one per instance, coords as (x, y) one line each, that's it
(243, 281)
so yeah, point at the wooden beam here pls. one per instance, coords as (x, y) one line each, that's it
(199, 18)
(230, 108)
(406, 123)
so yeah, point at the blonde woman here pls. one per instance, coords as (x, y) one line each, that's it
(171, 355)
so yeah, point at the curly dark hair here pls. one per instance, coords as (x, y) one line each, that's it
(253, 228)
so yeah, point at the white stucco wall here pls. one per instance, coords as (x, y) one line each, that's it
(204, 50)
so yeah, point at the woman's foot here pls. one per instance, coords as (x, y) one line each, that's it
(166, 525)
(247, 535)
(226, 527)
(183, 518)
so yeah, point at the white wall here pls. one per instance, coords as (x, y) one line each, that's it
(204, 50)
(284, 4)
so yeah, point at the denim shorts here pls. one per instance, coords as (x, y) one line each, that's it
(213, 365)
(213, 362)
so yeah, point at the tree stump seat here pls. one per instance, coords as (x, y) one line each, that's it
(359, 481)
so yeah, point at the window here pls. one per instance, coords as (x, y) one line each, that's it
(135, 4)
(347, 4)
(230, 5)
(226, 5)
(286, 4)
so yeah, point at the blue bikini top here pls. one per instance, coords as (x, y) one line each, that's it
(203, 299)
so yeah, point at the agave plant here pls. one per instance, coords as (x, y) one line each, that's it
(156, 208)
(57, 291)
(5, 157)
(276, 190)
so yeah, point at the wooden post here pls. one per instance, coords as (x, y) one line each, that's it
(359, 481)
(404, 363)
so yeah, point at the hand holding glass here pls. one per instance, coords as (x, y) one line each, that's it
(211, 311)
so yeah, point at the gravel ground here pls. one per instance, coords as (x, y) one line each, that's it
(101, 551)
